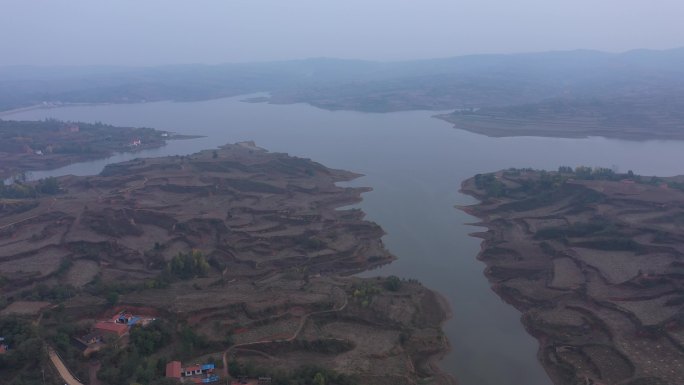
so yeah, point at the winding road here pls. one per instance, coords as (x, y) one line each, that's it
(68, 378)
(305, 317)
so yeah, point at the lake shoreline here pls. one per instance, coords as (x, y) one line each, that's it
(495, 129)
(270, 238)
(407, 157)
(479, 126)
(59, 144)
(578, 258)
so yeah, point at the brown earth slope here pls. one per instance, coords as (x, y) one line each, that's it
(596, 267)
(271, 280)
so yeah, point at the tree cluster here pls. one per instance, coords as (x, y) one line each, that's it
(21, 190)
(136, 362)
(392, 283)
(490, 184)
(305, 375)
(21, 365)
(189, 265)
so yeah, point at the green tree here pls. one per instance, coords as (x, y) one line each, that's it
(187, 266)
(319, 379)
(112, 297)
(48, 186)
(393, 283)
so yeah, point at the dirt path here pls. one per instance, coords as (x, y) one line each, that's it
(50, 208)
(94, 367)
(302, 323)
(62, 369)
(143, 184)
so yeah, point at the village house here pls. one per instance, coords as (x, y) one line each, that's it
(126, 318)
(115, 326)
(196, 374)
(3, 346)
(108, 327)
(173, 370)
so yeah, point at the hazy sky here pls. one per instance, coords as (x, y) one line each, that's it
(148, 32)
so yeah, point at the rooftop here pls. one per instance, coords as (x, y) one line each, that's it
(173, 369)
(111, 327)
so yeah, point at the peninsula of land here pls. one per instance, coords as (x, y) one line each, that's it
(595, 262)
(236, 256)
(630, 117)
(49, 144)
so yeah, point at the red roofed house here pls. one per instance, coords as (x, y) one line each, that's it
(173, 369)
(191, 370)
(198, 374)
(111, 327)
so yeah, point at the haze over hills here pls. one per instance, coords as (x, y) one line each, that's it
(648, 84)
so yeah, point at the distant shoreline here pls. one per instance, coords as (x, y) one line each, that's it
(51, 144)
(481, 125)
(504, 127)
(47, 107)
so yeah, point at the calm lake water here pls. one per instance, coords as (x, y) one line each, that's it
(415, 165)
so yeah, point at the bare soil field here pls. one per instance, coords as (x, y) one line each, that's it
(247, 248)
(595, 266)
(369, 340)
(25, 308)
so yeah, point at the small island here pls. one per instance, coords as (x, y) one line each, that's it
(594, 260)
(237, 259)
(50, 144)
